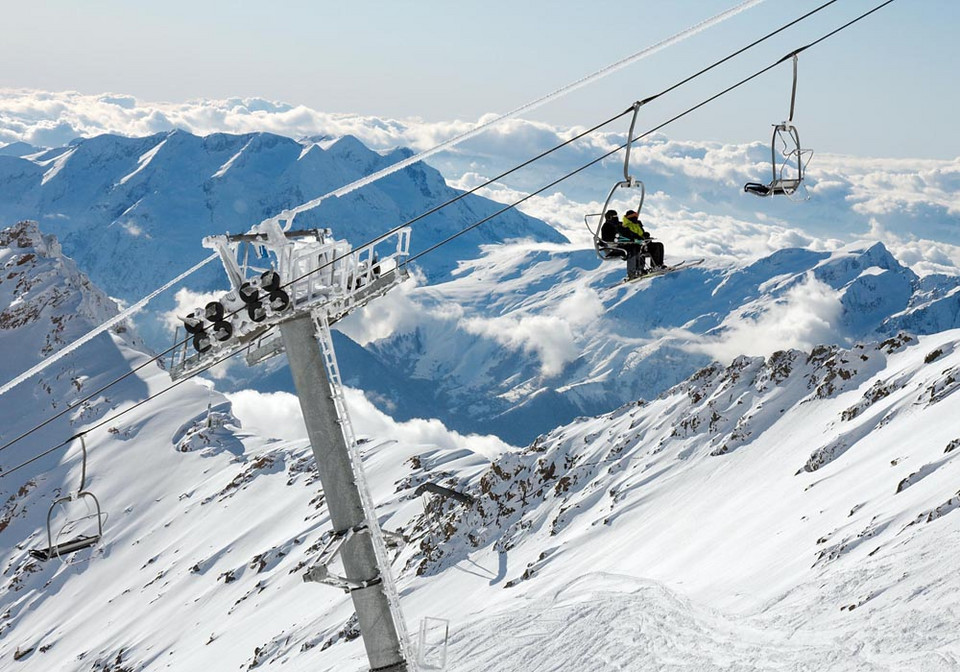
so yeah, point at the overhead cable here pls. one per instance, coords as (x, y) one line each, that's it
(117, 415)
(552, 183)
(562, 91)
(287, 215)
(645, 134)
(93, 333)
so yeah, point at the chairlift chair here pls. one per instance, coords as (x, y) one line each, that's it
(87, 537)
(788, 159)
(608, 249)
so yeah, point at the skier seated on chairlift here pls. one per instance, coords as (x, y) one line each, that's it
(638, 244)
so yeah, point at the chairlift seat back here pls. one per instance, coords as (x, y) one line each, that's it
(80, 541)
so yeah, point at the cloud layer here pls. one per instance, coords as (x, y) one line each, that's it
(277, 415)
(915, 201)
(804, 317)
(49, 119)
(694, 196)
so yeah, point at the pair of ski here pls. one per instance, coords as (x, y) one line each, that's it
(663, 270)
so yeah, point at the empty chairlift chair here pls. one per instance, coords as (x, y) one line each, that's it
(77, 532)
(788, 159)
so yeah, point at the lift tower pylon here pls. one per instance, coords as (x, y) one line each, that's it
(309, 282)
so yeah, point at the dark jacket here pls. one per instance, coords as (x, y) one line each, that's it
(609, 230)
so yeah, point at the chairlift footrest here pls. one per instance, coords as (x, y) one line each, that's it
(757, 189)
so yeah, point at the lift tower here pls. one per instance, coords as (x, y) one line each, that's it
(302, 282)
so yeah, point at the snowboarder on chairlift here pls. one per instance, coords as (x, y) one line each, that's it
(638, 243)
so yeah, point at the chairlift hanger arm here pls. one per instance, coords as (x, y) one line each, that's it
(626, 159)
(793, 91)
(83, 467)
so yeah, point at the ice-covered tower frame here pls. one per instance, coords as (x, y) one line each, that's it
(307, 281)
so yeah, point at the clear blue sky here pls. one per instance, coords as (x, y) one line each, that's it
(886, 87)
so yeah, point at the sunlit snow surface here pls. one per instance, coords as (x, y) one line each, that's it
(794, 512)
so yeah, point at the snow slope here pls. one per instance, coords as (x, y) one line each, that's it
(790, 512)
(785, 513)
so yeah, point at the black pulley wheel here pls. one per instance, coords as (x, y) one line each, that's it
(279, 301)
(270, 281)
(256, 311)
(222, 330)
(193, 325)
(201, 343)
(214, 311)
(249, 293)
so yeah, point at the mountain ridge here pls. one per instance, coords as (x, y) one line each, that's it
(110, 198)
(596, 344)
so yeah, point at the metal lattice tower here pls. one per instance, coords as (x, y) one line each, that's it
(346, 428)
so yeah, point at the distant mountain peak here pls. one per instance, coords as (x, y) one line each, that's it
(107, 196)
(25, 234)
(18, 148)
(43, 291)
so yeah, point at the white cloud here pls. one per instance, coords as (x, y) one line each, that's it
(272, 414)
(922, 256)
(55, 118)
(391, 313)
(562, 213)
(552, 337)
(277, 415)
(430, 432)
(694, 188)
(802, 318)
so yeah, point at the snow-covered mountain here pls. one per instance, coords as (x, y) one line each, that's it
(545, 336)
(911, 204)
(776, 489)
(788, 512)
(46, 302)
(132, 211)
(784, 513)
(198, 512)
(539, 336)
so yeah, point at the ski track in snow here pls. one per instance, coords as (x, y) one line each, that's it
(614, 623)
